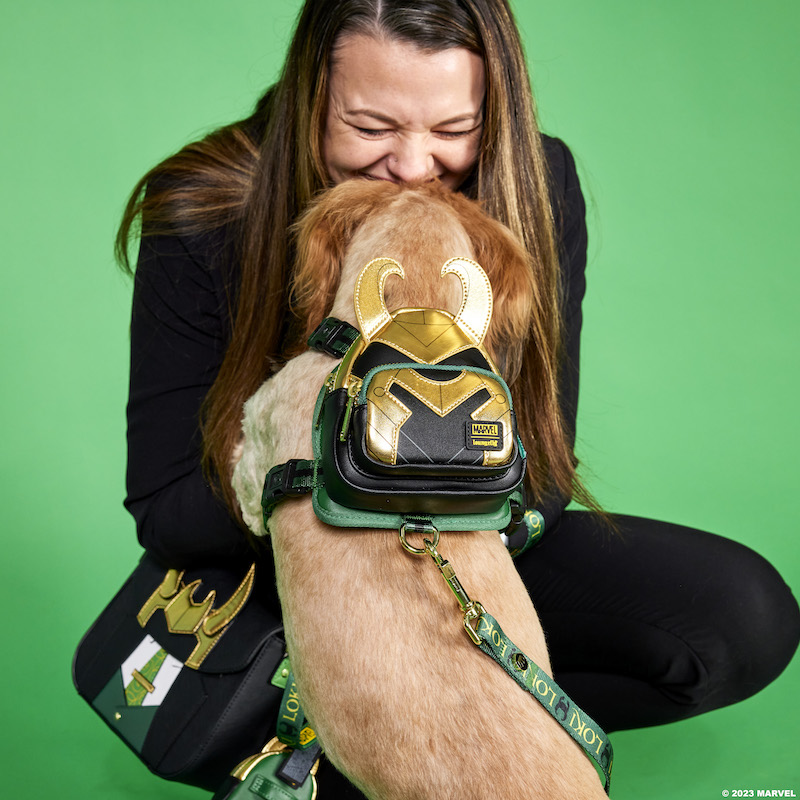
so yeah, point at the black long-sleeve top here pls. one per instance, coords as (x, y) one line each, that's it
(180, 329)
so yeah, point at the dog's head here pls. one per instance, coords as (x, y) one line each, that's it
(421, 227)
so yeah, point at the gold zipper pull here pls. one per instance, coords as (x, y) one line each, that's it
(330, 382)
(353, 388)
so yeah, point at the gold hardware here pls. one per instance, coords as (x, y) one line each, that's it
(273, 747)
(117, 716)
(330, 382)
(473, 613)
(143, 682)
(352, 392)
(417, 551)
(471, 609)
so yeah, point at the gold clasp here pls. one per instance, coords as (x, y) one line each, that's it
(471, 609)
(474, 612)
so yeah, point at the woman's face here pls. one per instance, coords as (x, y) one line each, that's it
(397, 113)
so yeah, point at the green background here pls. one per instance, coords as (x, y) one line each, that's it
(683, 119)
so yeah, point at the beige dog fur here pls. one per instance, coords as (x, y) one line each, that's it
(404, 704)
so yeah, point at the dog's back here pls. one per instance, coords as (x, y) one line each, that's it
(404, 703)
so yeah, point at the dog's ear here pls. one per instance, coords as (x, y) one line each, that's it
(507, 264)
(323, 233)
(318, 264)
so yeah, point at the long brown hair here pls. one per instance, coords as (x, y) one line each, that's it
(260, 173)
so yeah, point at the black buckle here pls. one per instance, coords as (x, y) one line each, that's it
(280, 480)
(279, 483)
(517, 513)
(333, 336)
(296, 768)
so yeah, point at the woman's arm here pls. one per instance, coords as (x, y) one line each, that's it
(569, 211)
(179, 331)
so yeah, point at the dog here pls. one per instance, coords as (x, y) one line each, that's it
(403, 703)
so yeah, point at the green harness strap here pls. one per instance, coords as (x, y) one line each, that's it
(297, 477)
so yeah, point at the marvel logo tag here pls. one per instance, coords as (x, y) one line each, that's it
(484, 435)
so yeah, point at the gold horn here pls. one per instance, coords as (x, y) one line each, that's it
(222, 616)
(476, 297)
(370, 305)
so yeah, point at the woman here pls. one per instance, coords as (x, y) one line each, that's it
(650, 626)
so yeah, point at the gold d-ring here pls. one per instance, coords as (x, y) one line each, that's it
(417, 551)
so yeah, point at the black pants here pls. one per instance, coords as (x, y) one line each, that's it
(653, 624)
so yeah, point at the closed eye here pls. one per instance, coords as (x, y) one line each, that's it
(375, 133)
(456, 134)
(371, 132)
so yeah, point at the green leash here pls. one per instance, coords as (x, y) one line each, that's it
(579, 725)
(485, 632)
(292, 728)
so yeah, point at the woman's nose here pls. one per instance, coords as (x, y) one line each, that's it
(411, 160)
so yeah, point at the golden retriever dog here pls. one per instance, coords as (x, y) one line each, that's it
(404, 704)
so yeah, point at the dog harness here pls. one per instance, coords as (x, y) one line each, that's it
(414, 431)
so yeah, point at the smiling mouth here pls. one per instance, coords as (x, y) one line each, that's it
(368, 177)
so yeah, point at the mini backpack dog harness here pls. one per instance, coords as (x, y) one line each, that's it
(414, 430)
